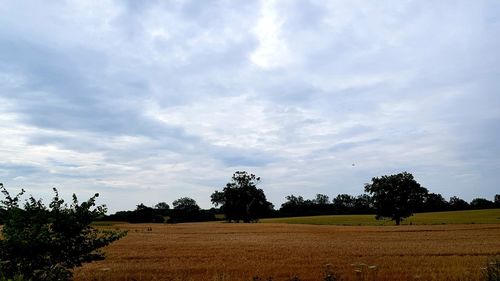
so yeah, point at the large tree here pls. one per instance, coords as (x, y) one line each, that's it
(396, 196)
(186, 204)
(185, 209)
(241, 200)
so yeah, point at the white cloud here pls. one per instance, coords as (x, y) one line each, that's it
(272, 51)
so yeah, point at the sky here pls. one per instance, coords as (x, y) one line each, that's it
(150, 101)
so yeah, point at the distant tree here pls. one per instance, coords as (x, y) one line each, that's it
(142, 207)
(497, 201)
(241, 200)
(344, 203)
(185, 210)
(434, 203)
(144, 214)
(396, 196)
(481, 203)
(294, 200)
(44, 243)
(363, 204)
(321, 199)
(294, 205)
(186, 204)
(162, 209)
(162, 206)
(456, 204)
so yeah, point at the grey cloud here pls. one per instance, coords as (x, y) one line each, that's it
(244, 158)
(346, 146)
(9, 170)
(389, 86)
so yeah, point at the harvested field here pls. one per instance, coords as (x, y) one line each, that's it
(220, 251)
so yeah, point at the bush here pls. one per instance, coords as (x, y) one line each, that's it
(46, 243)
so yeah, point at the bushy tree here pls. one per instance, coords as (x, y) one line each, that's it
(162, 206)
(344, 203)
(186, 209)
(241, 200)
(321, 199)
(295, 205)
(457, 203)
(186, 204)
(145, 214)
(481, 203)
(396, 196)
(295, 200)
(46, 243)
(434, 202)
(363, 204)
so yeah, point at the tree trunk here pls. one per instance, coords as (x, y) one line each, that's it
(398, 220)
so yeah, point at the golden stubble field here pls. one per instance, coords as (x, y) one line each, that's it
(220, 251)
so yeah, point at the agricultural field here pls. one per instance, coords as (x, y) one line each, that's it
(489, 216)
(234, 252)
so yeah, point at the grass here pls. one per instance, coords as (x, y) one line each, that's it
(237, 252)
(489, 216)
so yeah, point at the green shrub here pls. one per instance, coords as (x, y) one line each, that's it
(46, 243)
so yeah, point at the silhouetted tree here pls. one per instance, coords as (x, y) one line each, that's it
(321, 199)
(344, 203)
(186, 209)
(396, 196)
(294, 200)
(363, 204)
(186, 204)
(145, 214)
(497, 201)
(456, 204)
(294, 206)
(162, 209)
(434, 203)
(481, 203)
(241, 200)
(162, 206)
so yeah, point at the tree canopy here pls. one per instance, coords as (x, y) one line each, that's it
(185, 204)
(396, 196)
(185, 209)
(162, 206)
(241, 200)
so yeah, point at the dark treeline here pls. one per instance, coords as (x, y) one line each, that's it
(363, 204)
(186, 209)
(240, 200)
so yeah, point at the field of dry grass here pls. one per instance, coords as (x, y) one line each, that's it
(219, 251)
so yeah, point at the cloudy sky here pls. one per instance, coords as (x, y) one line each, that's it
(149, 101)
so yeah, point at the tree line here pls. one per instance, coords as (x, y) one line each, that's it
(240, 200)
